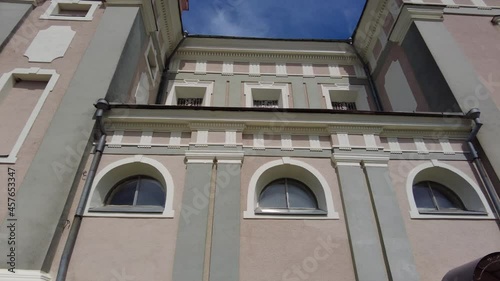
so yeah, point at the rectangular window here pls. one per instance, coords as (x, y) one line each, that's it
(71, 10)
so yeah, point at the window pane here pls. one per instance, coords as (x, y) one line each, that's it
(124, 193)
(150, 193)
(273, 196)
(445, 198)
(299, 196)
(423, 196)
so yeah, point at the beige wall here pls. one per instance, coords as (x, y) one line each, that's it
(440, 245)
(142, 248)
(278, 249)
(482, 52)
(12, 56)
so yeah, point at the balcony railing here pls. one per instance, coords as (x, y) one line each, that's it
(190, 101)
(344, 105)
(265, 103)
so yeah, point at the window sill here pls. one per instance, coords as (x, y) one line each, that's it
(451, 215)
(129, 212)
(290, 214)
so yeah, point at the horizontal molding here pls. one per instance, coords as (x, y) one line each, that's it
(24, 275)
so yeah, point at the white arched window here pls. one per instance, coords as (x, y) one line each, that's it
(436, 191)
(289, 189)
(132, 187)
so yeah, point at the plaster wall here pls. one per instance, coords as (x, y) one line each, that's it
(276, 249)
(12, 56)
(108, 247)
(440, 245)
(482, 52)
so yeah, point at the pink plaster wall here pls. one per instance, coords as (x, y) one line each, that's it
(241, 67)
(187, 65)
(279, 249)
(356, 140)
(407, 144)
(267, 68)
(325, 141)
(214, 66)
(247, 139)
(294, 68)
(216, 137)
(161, 138)
(15, 110)
(321, 70)
(482, 52)
(132, 136)
(12, 56)
(107, 247)
(440, 245)
(272, 140)
(300, 141)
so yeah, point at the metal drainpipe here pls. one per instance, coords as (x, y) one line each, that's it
(164, 76)
(474, 115)
(101, 106)
(373, 89)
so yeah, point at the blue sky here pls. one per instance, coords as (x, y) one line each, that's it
(290, 19)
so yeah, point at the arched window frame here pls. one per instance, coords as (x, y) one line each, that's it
(473, 194)
(120, 170)
(321, 190)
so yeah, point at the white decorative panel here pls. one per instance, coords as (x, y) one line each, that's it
(50, 44)
(397, 88)
(201, 67)
(230, 138)
(202, 138)
(142, 91)
(116, 140)
(421, 148)
(286, 142)
(281, 69)
(446, 146)
(479, 3)
(370, 142)
(258, 141)
(175, 140)
(227, 68)
(334, 70)
(314, 143)
(394, 145)
(254, 69)
(344, 141)
(146, 138)
(307, 69)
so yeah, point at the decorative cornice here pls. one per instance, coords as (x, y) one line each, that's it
(276, 56)
(147, 125)
(217, 126)
(278, 129)
(376, 21)
(428, 134)
(410, 14)
(208, 157)
(355, 129)
(358, 159)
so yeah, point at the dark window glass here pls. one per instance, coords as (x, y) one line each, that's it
(431, 195)
(138, 190)
(287, 194)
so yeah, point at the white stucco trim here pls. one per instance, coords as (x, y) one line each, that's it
(27, 74)
(151, 52)
(88, 17)
(24, 275)
(247, 90)
(473, 187)
(173, 95)
(252, 196)
(360, 96)
(166, 179)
